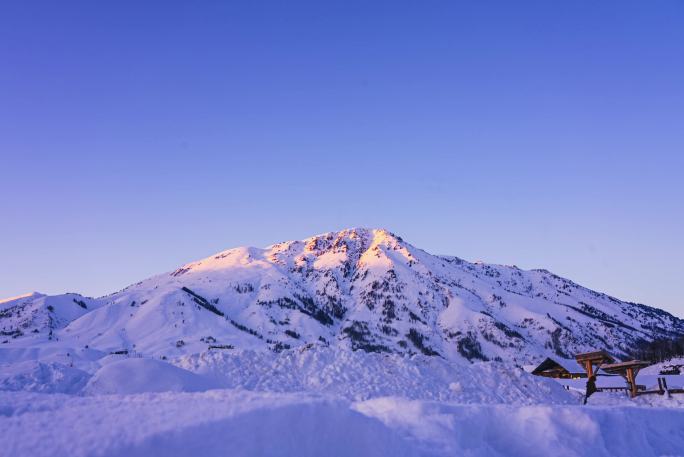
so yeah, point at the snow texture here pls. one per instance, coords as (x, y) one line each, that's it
(241, 423)
(359, 376)
(352, 343)
(140, 375)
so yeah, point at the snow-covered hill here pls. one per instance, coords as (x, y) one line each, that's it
(360, 289)
(40, 314)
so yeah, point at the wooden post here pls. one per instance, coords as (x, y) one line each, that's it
(628, 370)
(589, 368)
(632, 382)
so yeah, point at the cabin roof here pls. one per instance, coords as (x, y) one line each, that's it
(548, 363)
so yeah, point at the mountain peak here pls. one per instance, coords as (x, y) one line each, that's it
(356, 288)
(369, 235)
(26, 296)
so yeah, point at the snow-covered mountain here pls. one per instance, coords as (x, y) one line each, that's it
(361, 289)
(36, 313)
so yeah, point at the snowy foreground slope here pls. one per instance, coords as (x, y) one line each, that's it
(352, 343)
(241, 423)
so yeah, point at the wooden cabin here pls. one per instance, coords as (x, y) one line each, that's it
(551, 368)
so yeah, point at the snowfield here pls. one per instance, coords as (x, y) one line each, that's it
(354, 375)
(352, 343)
(241, 423)
(319, 402)
(358, 375)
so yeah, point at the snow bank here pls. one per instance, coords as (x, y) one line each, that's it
(613, 399)
(137, 375)
(501, 430)
(656, 368)
(240, 423)
(216, 423)
(355, 375)
(34, 376)
(358, 375)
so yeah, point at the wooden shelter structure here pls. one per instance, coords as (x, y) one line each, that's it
(629, 371)
(551, 368)
(592, 361)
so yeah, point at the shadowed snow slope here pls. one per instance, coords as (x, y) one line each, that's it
(217, 423)
(239, 423)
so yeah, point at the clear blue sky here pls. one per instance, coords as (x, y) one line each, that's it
(136, 136)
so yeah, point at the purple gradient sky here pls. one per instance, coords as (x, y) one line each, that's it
(136, 136)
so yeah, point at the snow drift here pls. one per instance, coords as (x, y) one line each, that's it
(239, 423)
(358, 375)
(137, 375)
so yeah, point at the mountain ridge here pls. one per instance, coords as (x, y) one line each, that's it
(360, 289)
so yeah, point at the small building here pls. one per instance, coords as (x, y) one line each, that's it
(672, 369)
(563, 369)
